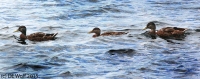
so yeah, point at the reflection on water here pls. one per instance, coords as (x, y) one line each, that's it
(75, 54)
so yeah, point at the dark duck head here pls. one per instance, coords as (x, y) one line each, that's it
(23, 37)
(151, 26)
(97, 32)
(22, 29)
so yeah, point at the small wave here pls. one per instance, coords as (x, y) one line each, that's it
(122, 52)
(25, 66)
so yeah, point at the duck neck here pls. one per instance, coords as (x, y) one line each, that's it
(98, 34)
(153, 31)
(24, 32)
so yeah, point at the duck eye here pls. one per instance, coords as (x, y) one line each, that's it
(20, 29)
(150, 25)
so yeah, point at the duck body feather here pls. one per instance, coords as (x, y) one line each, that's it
(168, 32)
(40, 36)
(112, 33)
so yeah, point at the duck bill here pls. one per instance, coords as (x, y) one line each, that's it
(145, 28)
(90, 32)
(185, 29)
(16, 31)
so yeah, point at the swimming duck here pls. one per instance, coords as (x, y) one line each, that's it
(39, 36)
(167, 32)
(97, 32)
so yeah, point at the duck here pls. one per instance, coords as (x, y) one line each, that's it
(38, 36)
(97, 32)
(166, 32)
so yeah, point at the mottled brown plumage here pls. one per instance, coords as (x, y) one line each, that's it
(166, 32)
(97, 32)
(39, 36)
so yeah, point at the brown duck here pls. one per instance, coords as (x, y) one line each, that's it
(167, 32)
(39, 36)
(97, 32)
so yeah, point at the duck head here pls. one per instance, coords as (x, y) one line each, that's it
(96, 30)
(151, 26)
(21, 29)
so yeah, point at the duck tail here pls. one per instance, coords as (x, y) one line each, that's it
(54, 35)
(185, 29)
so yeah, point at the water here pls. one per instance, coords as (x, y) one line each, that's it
(75, 54)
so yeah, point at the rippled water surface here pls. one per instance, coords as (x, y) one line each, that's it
(76, 54)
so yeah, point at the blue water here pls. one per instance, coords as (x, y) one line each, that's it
(76, 54)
